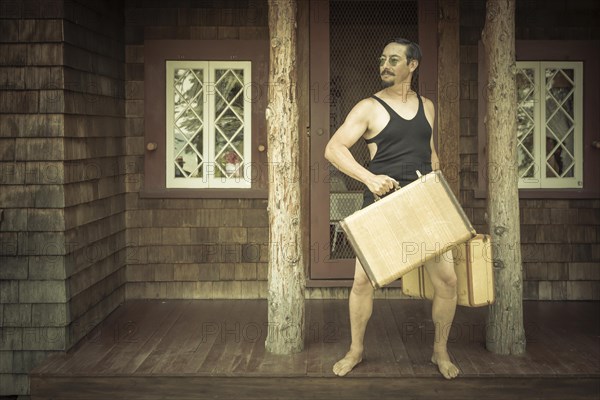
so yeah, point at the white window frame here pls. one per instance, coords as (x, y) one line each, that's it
(539, 180)
(208, 179)
(533, 182)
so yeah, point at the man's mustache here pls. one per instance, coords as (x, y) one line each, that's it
(386, 72)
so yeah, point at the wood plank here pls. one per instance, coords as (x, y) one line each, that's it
(298, 363)
(466, 336)
(316, 365)
(539, 359)
(334, 333)
(144, 352)
(396, 341)
(100, 340)
(516, 365)
(51, 364)
(547, 347)
(460, 352)
(266, 388)
(319, 356)
(496, 362)
(482, 362)
(532, 363)
(460, 346)
(378, 360)
(278, 365)
(257, 354)
(257, 350)
(525, 365)
(133, 333)
(567, 358)
(176, 341)
(566, 320)
(582, 345)
(172, 344)
(478, 356)
(414, 324)
(249, 320)
(214, 349)
(590, 351)
(202, 327)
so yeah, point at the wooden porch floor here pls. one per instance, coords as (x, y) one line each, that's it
(180, 349)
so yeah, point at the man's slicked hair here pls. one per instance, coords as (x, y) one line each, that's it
(413, 51)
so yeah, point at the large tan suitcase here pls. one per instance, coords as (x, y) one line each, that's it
(474, 272)
(406, 228)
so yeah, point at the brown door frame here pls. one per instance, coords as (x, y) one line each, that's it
(324, 271)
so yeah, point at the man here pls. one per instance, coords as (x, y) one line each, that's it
(397, 125)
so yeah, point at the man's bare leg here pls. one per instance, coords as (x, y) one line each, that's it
(361, 307)
(443, 277)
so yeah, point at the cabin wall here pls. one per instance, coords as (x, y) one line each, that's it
(560, 238)
(189, 247)
(62, 204)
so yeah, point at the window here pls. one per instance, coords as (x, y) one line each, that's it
(204, 126)
(208, 124)
(558, 123)
(550, 124)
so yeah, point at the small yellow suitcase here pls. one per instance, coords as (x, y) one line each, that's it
(474, 272)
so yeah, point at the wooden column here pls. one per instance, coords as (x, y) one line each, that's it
(448, 114)
(505, 331)
(286, 261)
(303, 84)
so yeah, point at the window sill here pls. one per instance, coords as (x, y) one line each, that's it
(547, 194)
(204, 194)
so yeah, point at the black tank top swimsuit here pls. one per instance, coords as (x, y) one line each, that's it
(403, 147)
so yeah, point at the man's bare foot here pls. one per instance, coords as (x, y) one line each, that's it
(345, 365)
(442, 360)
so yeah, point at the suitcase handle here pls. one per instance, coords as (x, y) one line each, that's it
(377, 197)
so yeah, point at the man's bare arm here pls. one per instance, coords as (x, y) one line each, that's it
(337, 151)
(430, 115)
(435, 161)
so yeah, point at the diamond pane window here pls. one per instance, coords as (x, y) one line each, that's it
(550, 124)
(208, 124)
(527, 111)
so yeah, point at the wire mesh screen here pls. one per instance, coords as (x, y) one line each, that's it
(358, 32)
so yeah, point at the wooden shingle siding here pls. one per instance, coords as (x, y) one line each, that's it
(62, 191)
(33, 299)
(95, 176)
(189, 248)
(560, 239)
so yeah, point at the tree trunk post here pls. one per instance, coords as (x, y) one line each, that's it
(286, 262)
(505, 331)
